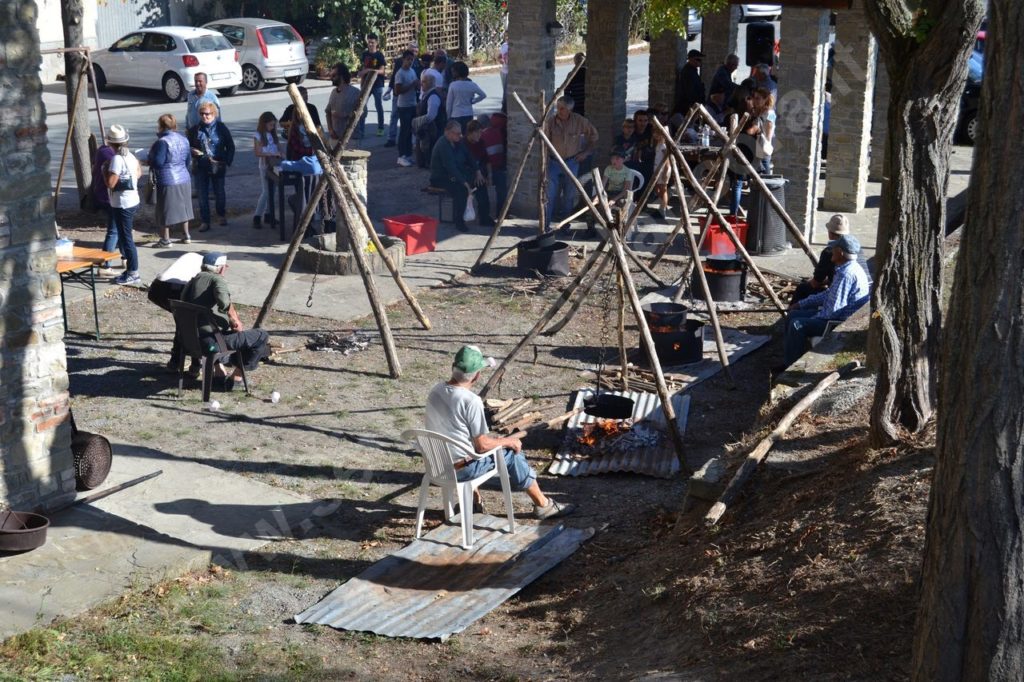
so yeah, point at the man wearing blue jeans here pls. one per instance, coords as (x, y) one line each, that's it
(808, 317)
(454, 410)
(373, 62)
(574, 140)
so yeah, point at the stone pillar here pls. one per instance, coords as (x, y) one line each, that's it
(667, 56)
(853, 82)
(607, 58)
(353, 163)
(36, 467)
(799, 108)
(879, 124)
(531, 70)
(718, 39)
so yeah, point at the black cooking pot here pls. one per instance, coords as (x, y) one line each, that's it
(608, 406)
(21, 531)
(542, 241)
(727, 263)
(665, 314)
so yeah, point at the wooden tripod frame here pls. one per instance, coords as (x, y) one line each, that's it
(354, 211)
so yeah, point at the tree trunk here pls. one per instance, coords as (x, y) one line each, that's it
(925, 53)
(970, 625)
(74, 65)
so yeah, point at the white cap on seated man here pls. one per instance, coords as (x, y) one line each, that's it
(454, 410)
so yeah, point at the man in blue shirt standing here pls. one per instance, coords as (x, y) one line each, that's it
(195, 98)
(847, 292)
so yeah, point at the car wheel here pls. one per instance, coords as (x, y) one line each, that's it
(227, 92)
(298, 80)
(101, 78)
(252, 79)
(971, 127)
(174, 88)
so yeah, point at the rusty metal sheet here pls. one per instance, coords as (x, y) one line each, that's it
(657, 460)
(432, 588)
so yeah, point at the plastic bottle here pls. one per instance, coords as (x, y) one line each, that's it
(705, 136)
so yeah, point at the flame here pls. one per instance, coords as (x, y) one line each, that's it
(600, 430)
(663, 329)
(676, 346)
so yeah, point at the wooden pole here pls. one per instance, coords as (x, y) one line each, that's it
(542, 181)
(758, 454)
(566, 294)
(310, 209)
(756, 177)
(72, 122)
(331, 174)
(663, 249)
(581, 296)
(522, 166)
(648, 343)
(354, 200)
(740, 249)
(95, 90)
(583, 193)
(723, 356)
(623, 355)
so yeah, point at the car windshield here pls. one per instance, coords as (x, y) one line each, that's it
(211, 43)
(278, 35)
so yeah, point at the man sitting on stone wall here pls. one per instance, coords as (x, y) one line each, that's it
(849, 289)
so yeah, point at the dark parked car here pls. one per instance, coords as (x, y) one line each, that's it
(967, 128)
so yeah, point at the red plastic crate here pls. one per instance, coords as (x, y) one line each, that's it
(717, 243)
(419, 232)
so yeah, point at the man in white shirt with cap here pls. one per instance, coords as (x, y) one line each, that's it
(454, 410)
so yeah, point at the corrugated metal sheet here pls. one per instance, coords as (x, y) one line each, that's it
(433, 588)
(657, 460)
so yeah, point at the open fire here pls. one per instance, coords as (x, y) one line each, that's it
(603, 429)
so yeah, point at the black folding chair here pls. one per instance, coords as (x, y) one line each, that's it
(187, 318)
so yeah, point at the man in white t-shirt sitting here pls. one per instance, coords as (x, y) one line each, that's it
(455, 411)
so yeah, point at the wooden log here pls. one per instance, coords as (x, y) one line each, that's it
(516, 407)
(566, 294)
(542, 180)
(740, 248)
(756, 177)
(310, 211)
(760, 451)
(72, 116)
(410, 297)
(684, 220)
(723, 355)
(331, 174)
(581, 296)
(623, 353)
(522, 167)
(652, 353)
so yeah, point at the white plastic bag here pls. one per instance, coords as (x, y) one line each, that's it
(764, 147)
(469, 214)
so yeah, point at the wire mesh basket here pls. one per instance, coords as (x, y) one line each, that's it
(93, 456)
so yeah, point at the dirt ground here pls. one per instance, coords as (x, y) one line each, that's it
(810, 576)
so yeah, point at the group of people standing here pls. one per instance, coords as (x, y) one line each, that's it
(177, 163)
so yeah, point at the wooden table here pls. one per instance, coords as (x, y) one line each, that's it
(81, 268)
(282, 179)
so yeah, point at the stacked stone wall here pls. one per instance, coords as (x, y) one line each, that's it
(36, 468)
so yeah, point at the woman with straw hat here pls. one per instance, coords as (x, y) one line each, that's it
(121, 176)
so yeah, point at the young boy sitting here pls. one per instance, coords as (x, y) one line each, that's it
(618, 180)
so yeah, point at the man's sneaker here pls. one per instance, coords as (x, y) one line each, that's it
(461, 227)
(128, 278)
(107, 272)
(404, 162)
(205, 227)
(553, 510)
(186, 239)
(389, 143)
(257, 221)
(163, 243)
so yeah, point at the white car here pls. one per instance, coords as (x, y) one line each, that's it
(269, 50)
(760, 12)
(167, 59)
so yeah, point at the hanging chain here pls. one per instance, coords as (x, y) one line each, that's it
(316, 273)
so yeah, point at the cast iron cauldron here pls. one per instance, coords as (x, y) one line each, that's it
(665, 314)
(21, 531)
(608, 406)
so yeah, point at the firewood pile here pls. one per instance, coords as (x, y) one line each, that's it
(639, 380)
(519, 415)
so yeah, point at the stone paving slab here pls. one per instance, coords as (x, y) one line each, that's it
(182, 520)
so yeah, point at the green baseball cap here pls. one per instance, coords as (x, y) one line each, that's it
(469, 359)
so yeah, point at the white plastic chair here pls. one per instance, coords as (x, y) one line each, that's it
(829, 326)
(636, 180)
(440, 453)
